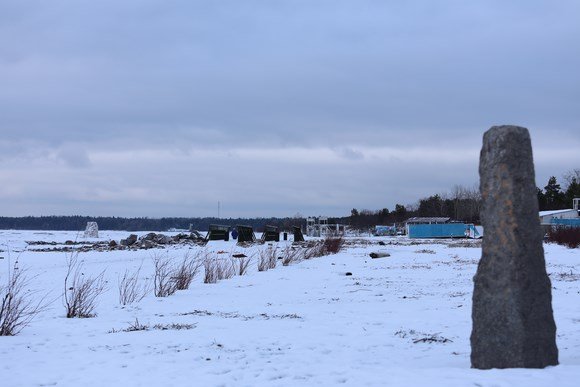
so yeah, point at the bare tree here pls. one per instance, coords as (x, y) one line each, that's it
(572, 175)
(81, 291)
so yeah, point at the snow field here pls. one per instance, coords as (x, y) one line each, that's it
(404, 320)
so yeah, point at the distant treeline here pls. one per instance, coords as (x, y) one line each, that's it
(464, 204)
(461, 204)
(78, 223)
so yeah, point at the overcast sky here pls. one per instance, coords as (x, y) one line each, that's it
(164, 108)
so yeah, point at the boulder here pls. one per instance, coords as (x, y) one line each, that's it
(129, 241)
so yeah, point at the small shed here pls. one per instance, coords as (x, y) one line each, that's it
(271, 234)
(246, 234)
(218, 232)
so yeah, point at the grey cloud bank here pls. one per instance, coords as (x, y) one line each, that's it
(152, 108)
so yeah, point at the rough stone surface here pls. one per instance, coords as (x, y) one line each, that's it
(130, 240)
(513, 323)
(92, 230)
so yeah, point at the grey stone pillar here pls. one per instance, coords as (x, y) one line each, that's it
(513, 323)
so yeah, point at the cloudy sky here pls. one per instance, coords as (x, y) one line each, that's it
(164, 108)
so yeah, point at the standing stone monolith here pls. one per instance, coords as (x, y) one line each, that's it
(513, 322)
(92, 230)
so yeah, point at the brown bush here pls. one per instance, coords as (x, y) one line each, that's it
(333, 244)
(567, 236)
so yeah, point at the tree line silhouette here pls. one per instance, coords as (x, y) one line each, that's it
(461, 204)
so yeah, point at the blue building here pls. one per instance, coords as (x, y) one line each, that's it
(439, 227)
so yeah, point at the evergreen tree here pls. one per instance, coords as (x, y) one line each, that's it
(400, 213)
(555, 199)
(542, 204)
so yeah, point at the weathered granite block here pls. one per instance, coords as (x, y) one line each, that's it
(513, 323)
(92, 230)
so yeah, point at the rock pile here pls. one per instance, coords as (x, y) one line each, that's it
(132, 242)
(154, 240)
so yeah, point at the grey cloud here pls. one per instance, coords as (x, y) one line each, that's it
(340, 75)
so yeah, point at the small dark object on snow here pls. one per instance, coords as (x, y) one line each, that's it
(348, 273)
(433, 339)
(379, 255)
(239, 255)
(382, 243)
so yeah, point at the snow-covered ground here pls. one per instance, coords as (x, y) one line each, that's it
(404, 320)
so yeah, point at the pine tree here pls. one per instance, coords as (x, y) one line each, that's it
(542, 203)
(555, 198)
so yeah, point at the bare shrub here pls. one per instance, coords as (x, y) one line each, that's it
(314, 251)
(209, 266)
(273, 259)
(262, 260)
(188, 269)
(218, 269)
(81, 291)
(290, 255)
(242, 264)
(225, 269)
(333, 244)
(164, 283)
(567, 236)
(267, 258)
(17, 305)
(131, 289)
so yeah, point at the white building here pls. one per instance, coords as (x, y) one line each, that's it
(546, 217)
